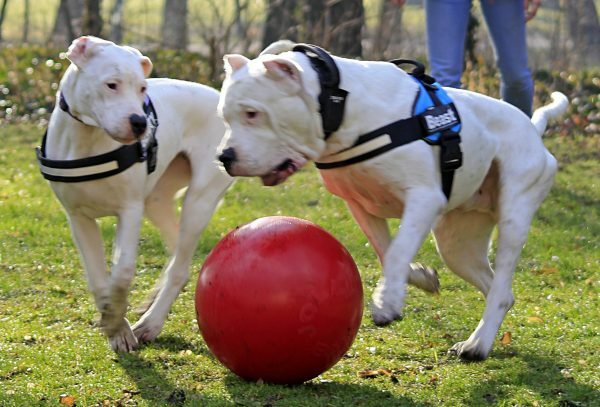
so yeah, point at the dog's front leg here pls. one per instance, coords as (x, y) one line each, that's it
(87, 238)
(377, 232)
(422, 208)
(113, 321)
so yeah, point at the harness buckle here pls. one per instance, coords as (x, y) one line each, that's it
(151, 155)
(450, 152)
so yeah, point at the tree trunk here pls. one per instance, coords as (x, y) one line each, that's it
(583, 31)
(2, 14)
(281, 22)
(315, 19)
(174, 28)
(116, 22)
(389, 22)
(67, 25)
(92, 20)
(25, 37)
(344, 30)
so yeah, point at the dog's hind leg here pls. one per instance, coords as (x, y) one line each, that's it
(463, 241)
(517, 206)
(207, 187)
(377, 232)
(161, 211)
(160, 203)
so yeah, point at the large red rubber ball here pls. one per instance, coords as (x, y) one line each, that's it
(279, 299)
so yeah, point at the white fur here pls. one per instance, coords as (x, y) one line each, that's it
(506, 172)
(189, 132)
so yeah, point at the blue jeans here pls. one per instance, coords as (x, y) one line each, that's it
(447, 23)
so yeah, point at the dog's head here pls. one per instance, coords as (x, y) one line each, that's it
(271, 112)
(107, 83)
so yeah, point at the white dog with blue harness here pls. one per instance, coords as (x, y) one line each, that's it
(460, 166)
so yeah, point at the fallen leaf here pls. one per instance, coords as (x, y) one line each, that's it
(66, 400)
(371, 373)
(537, 320)
(548, 270)
(506, 337)
(567, 373)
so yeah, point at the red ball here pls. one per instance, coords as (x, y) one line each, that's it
(279, 299)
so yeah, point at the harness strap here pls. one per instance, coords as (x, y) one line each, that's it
(332, 99)
(436, 125)
(103, 165)
(383, 139)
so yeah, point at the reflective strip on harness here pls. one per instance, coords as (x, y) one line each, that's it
(79, 172)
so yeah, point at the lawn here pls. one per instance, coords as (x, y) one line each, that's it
(547, 353)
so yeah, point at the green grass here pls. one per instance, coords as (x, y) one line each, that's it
(50, 345)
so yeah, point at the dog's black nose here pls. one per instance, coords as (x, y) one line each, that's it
(138, 124)
(227, 157)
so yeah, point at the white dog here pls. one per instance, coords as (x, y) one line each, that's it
(272, 110)
(102, 111)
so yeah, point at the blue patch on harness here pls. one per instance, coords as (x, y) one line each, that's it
(424, 103)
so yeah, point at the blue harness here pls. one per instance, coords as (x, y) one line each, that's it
(425, 102)
(435, 120)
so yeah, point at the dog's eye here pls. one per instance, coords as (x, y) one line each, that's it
(112, 86)
(251, 114)
(143, 89)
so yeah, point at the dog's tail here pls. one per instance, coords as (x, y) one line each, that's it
(556, 108)
(278, 47)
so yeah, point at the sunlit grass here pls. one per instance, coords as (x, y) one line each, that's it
(49, 344)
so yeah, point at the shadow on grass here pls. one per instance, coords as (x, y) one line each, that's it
(157, 389)
(541, 376)
(313, 393)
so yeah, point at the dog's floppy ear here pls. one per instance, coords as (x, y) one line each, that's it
(280, 68)
(82, 49)
(146, 65)
(234, 62)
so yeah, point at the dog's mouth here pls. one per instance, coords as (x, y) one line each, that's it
(282, 172)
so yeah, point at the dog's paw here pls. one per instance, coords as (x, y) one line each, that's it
(469, 351)
(382, 316)
(146, 330)
(123, 340)
(111, 319)
(424, 278)
(387, 303)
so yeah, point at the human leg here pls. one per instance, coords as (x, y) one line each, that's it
(506, 23)
(447, 22)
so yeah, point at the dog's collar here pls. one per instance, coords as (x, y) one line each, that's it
(332, 99)
(103, 165)
(64, 106)
(435, 120)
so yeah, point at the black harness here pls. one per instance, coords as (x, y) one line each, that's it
(103, 165)
(437, 124)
